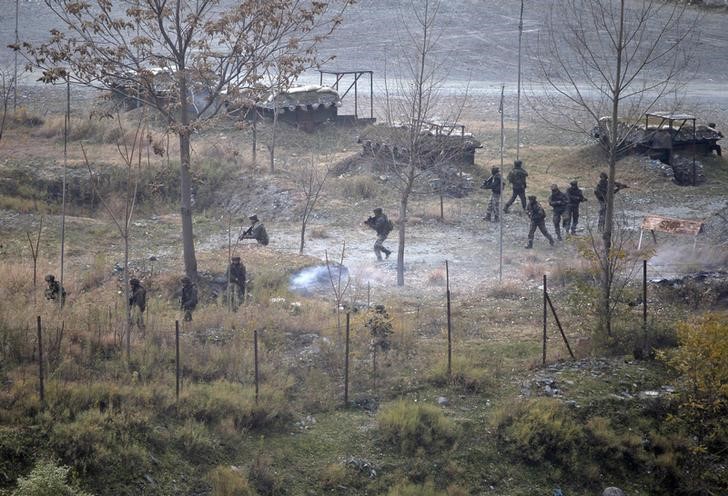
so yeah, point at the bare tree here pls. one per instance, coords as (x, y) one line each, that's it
(310, 182)
(414, 149)
(35, 252)
(7, 91)
(121, 217)
(613, 59)
(338, 287)
(183, 58)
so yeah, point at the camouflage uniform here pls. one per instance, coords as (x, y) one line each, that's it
(517, 178)
(537, 215)
(137, 304)
(188, 300)
(572, 215)
(256, 231)
(494, 184)
(236, 276)
(560, 203)
(382, 226)
(54, 290)
(601, 193)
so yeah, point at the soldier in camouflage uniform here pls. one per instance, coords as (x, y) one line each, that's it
(601, 193)
(54, 291)
(538, 216)
(256, 231)
(137, 303)
(235, 276)
(517, 178)
(572, 215)
(493, 183)
(382, 226)
(188, 300)
(560, 203)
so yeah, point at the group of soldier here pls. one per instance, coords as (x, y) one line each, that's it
(565, 204)
(235, 276)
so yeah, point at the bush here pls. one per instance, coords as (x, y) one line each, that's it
(470, 378)
(359, 187)
(411, 426)
(47, 479)
(405, 489)
(229, 481)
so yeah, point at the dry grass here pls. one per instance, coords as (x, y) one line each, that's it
(507, 291)
(436, 277)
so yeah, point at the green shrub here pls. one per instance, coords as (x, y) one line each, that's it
(426, 489)
(470, 378)
(229, 481)
(412, 426)
(47, 479)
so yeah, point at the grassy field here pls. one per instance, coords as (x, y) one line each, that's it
(500, 422)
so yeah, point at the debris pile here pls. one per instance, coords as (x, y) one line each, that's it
(683, 171)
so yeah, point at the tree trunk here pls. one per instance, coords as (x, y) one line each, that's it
(400, 248)
(303, 236)
(185, 185)
(127, 322)
(272, 146)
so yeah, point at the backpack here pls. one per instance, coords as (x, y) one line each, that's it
(390, 226)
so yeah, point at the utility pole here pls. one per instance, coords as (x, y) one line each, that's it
(500, 196)
(518, 94)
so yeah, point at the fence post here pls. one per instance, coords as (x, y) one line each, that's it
(176, 353)
(40, 365)
(449, 321)
(558, 324)
(644, 298)
(255, 360)
(545, 296)
(346, 363)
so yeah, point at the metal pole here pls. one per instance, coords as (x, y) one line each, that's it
(518, 94)
(15, 70)
(558, 324)
(176, 354)
(40, 365)
(66, 125)
(545, 296)
(371, 95)
(449, 320)
(644, 299)
(255, 360)
(500, 196)
(346, 363)
(356, 96)
(369, 294)
(695, 178)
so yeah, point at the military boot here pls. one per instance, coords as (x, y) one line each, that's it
(530, 244)
(487, 218)
(551, 240)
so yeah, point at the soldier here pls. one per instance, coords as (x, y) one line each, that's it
(537, 215)
(137, 303)
(517, 178)
(383, 226)
(54, 291)
(601, 193)
(256, 231)
(560, 203)
(493, 183)
(236, 276)
(188, 300)
(572, 215)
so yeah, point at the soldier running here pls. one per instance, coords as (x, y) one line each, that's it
(54, 291)
(188, 300)
(560, 203)
(137, 303)
(256, 231)
(572, 215)
(235, 276)
(493, 183)
(537, 215)
(517, 178)
(383, 226)
(601, 193)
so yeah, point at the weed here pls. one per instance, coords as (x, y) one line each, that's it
(359, 187)
(465, 375)
(410, 427)
(318, 232)
(507, 291)
(47, 479)
(262, 475)
(229, 481)
(436, 277)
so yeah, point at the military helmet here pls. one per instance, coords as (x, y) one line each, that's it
(253, 217)
(532, 197)
(574, 182)
(603, 175)
(518, 163)
(378, 211)
(494, 170)
(185, 280)
(134, 281)
(235, 259)
(554, 186)
(50, 277)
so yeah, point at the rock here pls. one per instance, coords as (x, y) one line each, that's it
(613, 491)
(442, 401)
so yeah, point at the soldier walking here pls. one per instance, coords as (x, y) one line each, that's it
(137, 303)
(382, 226)
(54, 291)
(235, 276)
(256, 231)
(601, 193)
(517, 178)
(493, 183)
(188, 300)
(538, 216)
(572, 215)
(560, 203)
